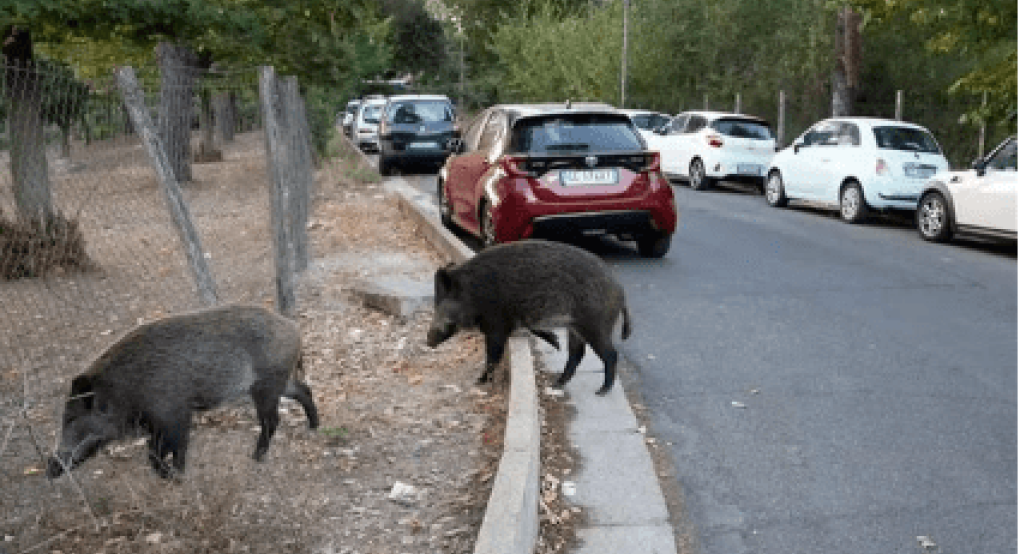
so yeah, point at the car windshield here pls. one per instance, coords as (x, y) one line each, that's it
(649, 121)
(743, 128)
(1004, 158)
(371, 114)
(416, 112)
(574, 133)
(906, 138)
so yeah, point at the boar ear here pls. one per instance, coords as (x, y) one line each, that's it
(446, 282)
(82, 387)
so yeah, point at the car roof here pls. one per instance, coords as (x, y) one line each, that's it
(713, 115)
(374, 102)
(403, 97)
(635, 111)
(519, 111)
(874, 121)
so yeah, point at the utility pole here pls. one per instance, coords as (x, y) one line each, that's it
(623, 56)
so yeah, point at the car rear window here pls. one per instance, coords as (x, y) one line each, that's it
(906, 138)
(419, 111)
(743, 128)
(649, 121)
(573, 133)
(370, 114)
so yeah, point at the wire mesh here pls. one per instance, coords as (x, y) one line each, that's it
(104, 254)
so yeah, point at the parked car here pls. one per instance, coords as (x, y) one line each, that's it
(366, 124)
(979, 201)
(416, 128)
(702, 147)
(857, 165)
(647, 121)
(347, 119)
(551, 171)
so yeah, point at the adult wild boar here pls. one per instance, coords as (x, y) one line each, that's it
(534, 284)
(157, 374)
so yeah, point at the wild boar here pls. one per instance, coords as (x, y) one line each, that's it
(157, 374)
(533, 284)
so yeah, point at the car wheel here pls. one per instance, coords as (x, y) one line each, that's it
(445, 210)
(696, 175)
(852, 207)
(488, 226)
(933, 218)
(654, 246)
(775, 192)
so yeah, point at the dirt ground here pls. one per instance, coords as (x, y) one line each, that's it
(392, 410)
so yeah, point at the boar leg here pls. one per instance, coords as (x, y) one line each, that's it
(300, 392)
(495, 343)
(548, 336)
(604, 348)
(266, 405)
(169, 437)
(575, 349)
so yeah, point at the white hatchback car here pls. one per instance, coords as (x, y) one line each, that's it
(702, 147)
(857, 165)
(647, 121)
(366, 123)
(980, 201)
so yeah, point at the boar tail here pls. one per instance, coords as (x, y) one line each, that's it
(625, 333)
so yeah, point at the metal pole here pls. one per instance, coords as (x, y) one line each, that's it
(781, 125)
(899, 105)
(736, 104)
(623, 56)
(984, 125)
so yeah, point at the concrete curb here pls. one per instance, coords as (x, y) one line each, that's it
(510, 525)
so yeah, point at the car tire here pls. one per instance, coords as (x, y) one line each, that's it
(486, 226)
(852, 206)
(933, 219)
(696, 175)
(654, 246)
(445, 210)
(775, 191)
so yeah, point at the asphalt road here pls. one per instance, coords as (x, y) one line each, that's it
(827, 387)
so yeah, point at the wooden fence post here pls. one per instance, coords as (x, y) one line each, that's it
(781, 124)
(300, 171)
(135, 102)
(277, 163)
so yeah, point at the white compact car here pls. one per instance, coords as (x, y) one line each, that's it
(702, 147)
(980, 201)
(366, 124)
(856, 165)
(647, 122)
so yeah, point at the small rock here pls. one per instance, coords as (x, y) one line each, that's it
(555, 393)
(154, 538)
(736, 404)
(402, 493)
(569, 488)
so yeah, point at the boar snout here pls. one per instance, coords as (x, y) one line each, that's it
(437, 335)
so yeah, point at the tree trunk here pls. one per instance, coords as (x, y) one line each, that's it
(223, 110)
(848, 58)
(29, 171)
(175, 105)
(207, 151)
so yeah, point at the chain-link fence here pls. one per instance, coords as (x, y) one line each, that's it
(89, 243)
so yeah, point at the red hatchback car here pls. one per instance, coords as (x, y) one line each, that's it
(556, 171)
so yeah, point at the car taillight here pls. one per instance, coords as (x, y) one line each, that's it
(516, 166)
(881, 168)
(714, 141)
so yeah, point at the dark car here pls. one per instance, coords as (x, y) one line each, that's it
(556, 171)
(416, 128)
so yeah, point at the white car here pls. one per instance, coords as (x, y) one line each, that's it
(647, 122)
(702, 147)
(856, 165)
(979, 201)
(366, 124)
(347, 119)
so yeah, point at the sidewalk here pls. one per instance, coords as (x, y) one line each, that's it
(616, 484)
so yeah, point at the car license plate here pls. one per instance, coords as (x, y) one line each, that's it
(918, 171)
(749, 169)
(423, 145)
(574, 177)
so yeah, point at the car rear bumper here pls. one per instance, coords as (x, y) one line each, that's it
(624, 222)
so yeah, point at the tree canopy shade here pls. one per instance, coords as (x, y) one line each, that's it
(984, 32)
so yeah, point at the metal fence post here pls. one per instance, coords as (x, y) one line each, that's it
(135, 102)
(276, 148)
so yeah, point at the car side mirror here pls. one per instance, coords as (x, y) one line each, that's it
(797, 146)
(979, 165)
